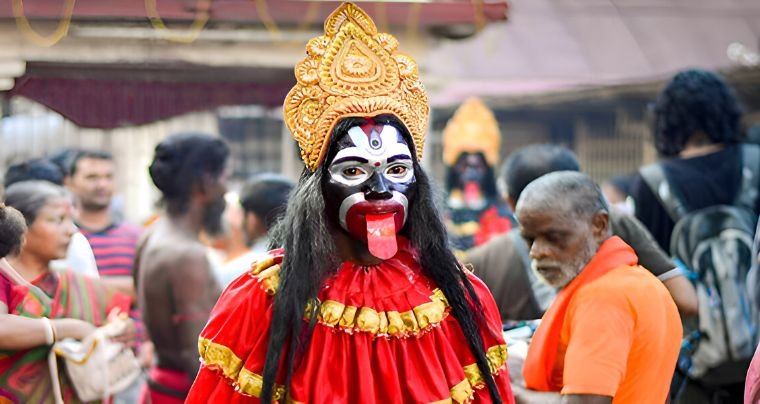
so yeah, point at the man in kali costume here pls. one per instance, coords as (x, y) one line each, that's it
(365, 302)
(471, 144)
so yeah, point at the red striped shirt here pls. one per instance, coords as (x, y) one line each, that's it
(114, 249)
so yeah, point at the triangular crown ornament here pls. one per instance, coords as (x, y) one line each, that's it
(473, 128)
(352, 71)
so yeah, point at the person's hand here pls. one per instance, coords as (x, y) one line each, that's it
(515, 365)
(127, 330)
(71, 328)
(145, 354)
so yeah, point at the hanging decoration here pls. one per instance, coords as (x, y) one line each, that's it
(201, 18)
(32, 36)
(312, 15)
(413, 21)
(262, 10)
(480, 15)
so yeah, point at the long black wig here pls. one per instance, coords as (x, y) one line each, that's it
(310, 257)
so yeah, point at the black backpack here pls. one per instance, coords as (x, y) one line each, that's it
(714, 245)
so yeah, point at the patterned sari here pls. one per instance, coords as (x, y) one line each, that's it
(24, 375)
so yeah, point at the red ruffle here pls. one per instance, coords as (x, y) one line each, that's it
(347, 363)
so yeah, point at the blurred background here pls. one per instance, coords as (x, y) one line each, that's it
(123, 74)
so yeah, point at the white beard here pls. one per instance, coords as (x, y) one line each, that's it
(563, 273)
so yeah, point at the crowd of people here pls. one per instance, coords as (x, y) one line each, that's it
(354, 285)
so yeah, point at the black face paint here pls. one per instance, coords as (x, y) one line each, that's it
(370, 184)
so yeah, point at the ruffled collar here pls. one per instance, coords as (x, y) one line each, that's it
(391, 299)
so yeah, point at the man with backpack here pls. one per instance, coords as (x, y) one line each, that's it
(701, 204)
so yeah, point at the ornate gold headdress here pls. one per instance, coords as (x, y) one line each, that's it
(473, 128)
(352, 71)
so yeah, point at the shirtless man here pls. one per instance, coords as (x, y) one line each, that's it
(176, 287)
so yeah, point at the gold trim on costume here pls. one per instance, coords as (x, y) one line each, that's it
(352, 71)
(473, 128)
(462, 392)
(270, 279)
(385, 323)
(221, 357)
(362, 319)
(218, 356)
(267, 273)
(251, 383)
(261, 264)
(496, 356)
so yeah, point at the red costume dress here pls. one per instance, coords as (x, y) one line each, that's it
(383, 335)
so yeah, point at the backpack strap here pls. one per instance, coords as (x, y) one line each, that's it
(750, 187)
(654, 176)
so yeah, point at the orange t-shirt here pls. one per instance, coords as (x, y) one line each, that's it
(620, 338)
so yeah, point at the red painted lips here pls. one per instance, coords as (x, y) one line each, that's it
(377, 222)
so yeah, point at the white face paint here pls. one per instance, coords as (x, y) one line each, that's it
(379, 153)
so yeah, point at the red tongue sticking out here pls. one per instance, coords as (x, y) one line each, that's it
(472, 192)
(381, 235)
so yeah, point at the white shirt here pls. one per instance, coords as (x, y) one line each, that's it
(79, 257)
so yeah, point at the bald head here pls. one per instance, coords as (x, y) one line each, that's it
(564, 219)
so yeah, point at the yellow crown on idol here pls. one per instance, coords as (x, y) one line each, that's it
(352, 71)
(473, 128)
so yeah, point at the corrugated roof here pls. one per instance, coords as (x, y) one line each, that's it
(550, 45)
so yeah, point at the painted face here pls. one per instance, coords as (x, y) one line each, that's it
(560, 244)
(469, 173)
(371, 181)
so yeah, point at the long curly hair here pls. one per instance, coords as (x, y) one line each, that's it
(695, 100)
(310, 257)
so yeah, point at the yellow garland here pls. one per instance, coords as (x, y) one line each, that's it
(46, 41)
(201, 18)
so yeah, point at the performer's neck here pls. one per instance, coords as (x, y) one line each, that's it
(354, 250)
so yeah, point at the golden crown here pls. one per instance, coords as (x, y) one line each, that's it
(352, 71)
(473, 128)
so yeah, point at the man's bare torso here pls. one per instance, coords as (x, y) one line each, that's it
(175, 290)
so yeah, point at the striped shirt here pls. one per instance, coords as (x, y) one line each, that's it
(114, 249)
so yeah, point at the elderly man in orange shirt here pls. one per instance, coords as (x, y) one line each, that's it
(613, 333)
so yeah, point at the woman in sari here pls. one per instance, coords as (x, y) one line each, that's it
(39, 305)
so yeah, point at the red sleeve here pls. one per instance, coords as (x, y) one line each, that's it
(492, 337)
(5, 291)
(233, 344)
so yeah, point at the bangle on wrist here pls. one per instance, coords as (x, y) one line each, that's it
(49, 331)
(55, 332)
